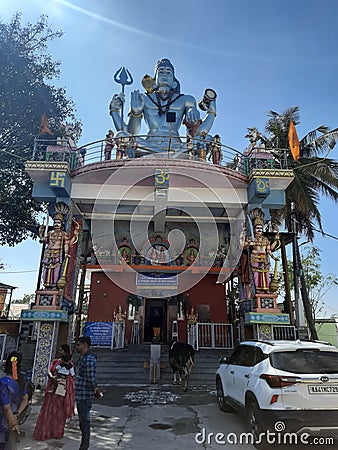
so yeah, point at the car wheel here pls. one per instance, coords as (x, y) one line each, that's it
(253, 415)
(222, 403)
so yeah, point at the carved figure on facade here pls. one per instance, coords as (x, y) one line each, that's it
(255, 137)
(258, 153)
(164, 109)
(156, 251)
(257, 251)
(216, 150)
(190, 253)
(109, 145)
(125, 252)
(57, 243)
(119, 316)
(192, 317)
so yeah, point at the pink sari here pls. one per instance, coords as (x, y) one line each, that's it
(55, 410)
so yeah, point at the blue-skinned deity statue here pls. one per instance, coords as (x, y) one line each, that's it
(164, 109)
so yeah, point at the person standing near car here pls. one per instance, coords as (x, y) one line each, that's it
(85, 388)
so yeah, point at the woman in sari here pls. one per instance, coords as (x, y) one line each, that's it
(56, 409)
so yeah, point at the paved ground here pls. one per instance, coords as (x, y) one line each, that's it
(143, 418)
(151, 417)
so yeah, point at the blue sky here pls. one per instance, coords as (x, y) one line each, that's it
(258, 55)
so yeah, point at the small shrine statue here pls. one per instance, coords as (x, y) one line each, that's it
(256, 137)
(120, 316)
(109, 145)
(192, 317)
(124, 256)
(164, 109)
(191, 257)
(122, 143)
(215, 150)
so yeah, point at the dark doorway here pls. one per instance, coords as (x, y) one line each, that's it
(152, 305)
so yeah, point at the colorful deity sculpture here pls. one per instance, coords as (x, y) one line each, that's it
(57, 245)
(164, 109)
(259, 253)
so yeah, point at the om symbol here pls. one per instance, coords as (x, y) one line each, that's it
(262, 184)
(161, 176)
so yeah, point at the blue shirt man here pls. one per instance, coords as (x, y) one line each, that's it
(85, 388)
(13, 400)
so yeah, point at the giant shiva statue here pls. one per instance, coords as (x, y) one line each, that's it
(164, 109)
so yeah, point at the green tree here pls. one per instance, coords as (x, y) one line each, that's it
(317, 283)
(27, 298)
(315, 175)
(26, 92)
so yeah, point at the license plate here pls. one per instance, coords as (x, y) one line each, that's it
(323, 389)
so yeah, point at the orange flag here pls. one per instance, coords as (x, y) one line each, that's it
(294, 142)
(44, 125)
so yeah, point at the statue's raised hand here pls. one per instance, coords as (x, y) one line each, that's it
(192, 116)
(136, 102)
(117, 102)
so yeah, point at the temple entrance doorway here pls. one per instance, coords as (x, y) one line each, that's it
(155, 316)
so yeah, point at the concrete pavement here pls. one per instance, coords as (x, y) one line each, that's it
(145, 417)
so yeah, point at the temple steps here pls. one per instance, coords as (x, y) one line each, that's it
(130, 365)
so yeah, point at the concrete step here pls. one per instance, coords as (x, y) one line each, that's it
(130, 365)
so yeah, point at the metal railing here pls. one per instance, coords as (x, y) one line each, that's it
(214, 335)
(94, 152)
(283, 332)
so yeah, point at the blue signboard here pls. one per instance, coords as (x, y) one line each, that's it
(101, 333)
(42, 315)
(156, 284)
(160, 279)
(254, 317)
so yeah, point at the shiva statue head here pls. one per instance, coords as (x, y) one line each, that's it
(165, 76)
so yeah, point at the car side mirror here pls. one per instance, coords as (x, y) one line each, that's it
(224, 360)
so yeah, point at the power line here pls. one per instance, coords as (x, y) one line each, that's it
(23, 271)
(326, 234)
(13, 155)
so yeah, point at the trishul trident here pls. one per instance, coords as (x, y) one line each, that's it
(123, 77)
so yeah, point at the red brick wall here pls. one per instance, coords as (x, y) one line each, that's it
(106, 297)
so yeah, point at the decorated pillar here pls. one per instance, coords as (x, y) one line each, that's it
(48, 325)
(259, 311)
(54, 303)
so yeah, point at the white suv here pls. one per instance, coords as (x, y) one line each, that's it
(290, 382)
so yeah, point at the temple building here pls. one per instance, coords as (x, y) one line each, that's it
(172, 222)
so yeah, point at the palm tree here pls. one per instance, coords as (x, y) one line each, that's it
(315, 175)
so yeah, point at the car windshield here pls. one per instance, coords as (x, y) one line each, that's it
(305, 361)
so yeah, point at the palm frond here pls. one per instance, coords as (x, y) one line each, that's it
(312, 144)
(306, 198)
(277, 126)
(314, 175)
(324, 170)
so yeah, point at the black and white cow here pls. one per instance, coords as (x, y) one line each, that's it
(181, 360)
